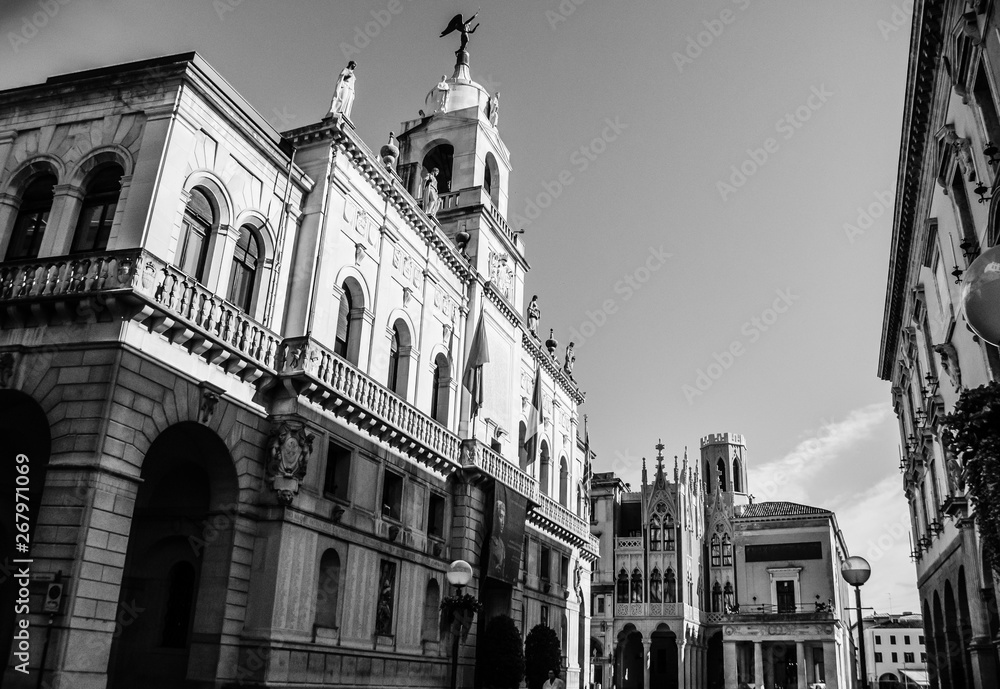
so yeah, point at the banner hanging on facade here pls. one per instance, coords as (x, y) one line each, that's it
(510, 511)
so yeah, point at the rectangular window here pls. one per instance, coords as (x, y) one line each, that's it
(392, 496)
(545, 615)
(895, 657)
(544, 566)
(600, 604)
(593, 511)
(878, 639)
(907, 657)
(338, 472)
(906, 640)
(963, 211)
(786, 595)
(923, 657)
(892, 639)
(920, 639)
(878, 657)
(987, 107)
(435, 516)
(564, 571)
(819, 674)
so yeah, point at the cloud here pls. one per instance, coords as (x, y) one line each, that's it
(788, 478)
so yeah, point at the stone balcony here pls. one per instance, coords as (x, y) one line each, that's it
(336, 385)
(684, 610)
(809, 612)
(543, 512)
(135, 285)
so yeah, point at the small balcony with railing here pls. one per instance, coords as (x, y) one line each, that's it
(805, 612)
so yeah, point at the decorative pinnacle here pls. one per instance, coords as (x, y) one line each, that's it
(659, 448)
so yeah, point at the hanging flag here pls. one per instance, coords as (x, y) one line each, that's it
(479, 354)
(587, 469)
(451, 343)
(534, 415)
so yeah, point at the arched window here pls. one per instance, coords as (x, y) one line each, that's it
(670, 586)
(98, 210)
(723, 484)
(716, 597)
(563, 482)
(440, 389)
(727, 551)
(399, 359)
(716, 555)
(707, 477)
(180, 601)
(668, 533)
(655, 586)
(196, 230)
(623, 586)
(32, 217)
(488, 181)
(491, 179)
(543, 475)
(728, 597)
(346, 333)
(522, 446)
(432, 615)
(440, 158)
(393, 381)
(636, 586)
(737, 475)
(654, 534)
(328, 589)
(244, 273)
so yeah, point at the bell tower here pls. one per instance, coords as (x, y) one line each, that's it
(723, 463)
(454, 162)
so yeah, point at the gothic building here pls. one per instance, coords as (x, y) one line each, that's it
(233, 361)
(700, 586)
(946, 207)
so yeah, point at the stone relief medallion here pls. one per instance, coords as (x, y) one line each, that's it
(288, 459)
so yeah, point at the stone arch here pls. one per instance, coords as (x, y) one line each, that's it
(328, 589)
(260, 224)
(39, 164)
(218, 194)
(355, 282)
(112, 154)
(188, 481)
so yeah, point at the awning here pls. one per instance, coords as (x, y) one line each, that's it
(917, 677)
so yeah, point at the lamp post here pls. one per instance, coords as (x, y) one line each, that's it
(459, 575)
(856, 571)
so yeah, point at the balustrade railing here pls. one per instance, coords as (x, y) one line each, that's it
(628, 543)
(215, 320)
(485, 459)
(306, 355)
(565, 518)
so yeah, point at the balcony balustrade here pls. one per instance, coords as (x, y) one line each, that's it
(137, 285)
(337, 385)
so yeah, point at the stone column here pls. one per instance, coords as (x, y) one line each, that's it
(983, 667)
(758, 664)
(832, 669)
(800, 663)
(682, 664)
(646, 644)
(729, 664)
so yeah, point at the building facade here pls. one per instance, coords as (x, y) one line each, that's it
(895, 653)
(700, 586)
(233, 360)
(945, 215)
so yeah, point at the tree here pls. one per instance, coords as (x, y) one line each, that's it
(542, 652)
(972, 433)
(501, 655)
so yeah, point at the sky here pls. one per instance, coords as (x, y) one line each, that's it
(719, 247)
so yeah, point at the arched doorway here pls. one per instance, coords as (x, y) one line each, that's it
(629, 659)
(177, 563)
(663, 658)
(25, 431)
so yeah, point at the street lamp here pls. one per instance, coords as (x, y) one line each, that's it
(980, 294)
(856, 571)
(459, 575)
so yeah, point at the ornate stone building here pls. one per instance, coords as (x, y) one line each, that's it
(234, 361)
(700, 586)
(945, 215)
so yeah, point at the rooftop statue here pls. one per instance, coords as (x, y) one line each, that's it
(343, 93)
(456, 24)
